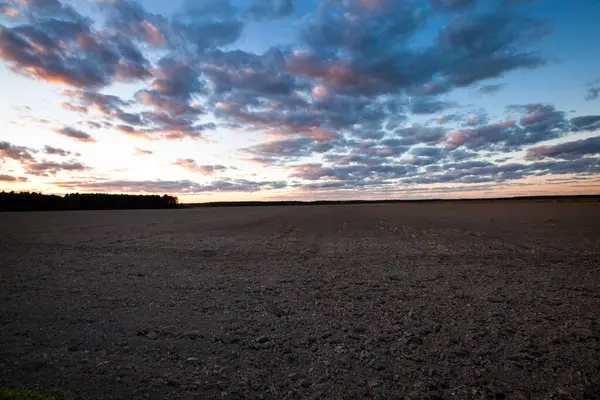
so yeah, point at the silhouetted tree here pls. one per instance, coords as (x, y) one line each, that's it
(31, 201)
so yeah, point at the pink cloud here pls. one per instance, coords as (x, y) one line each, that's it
(74, 108)
(192, 166)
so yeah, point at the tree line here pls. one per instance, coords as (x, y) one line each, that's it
(31, 201)
(559, 198)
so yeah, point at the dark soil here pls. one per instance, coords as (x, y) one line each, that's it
(414, 301)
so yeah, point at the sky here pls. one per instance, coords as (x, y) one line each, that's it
(223, 100)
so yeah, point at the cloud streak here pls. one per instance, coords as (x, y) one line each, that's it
(12, 179)
(191, 166)
(75, 134)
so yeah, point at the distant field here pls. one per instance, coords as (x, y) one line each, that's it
(442, 300)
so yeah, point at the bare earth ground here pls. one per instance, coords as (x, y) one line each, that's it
(438, 301)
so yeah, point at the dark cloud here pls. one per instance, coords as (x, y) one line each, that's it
(58, 152)
(348, 159)
(284, 150)
(171, 99)
(132, 20)
(357, 46)
(491, 89)
(448, 118)
(586, 123)
(483, 171)
(592, 93)
(62, 46)
(482, 137)
(192, 166)
(36, 10)
(174, 87)
(93, 124)
(451, 5)
(461, 172)
(348, 82)
(543, 122)
(429, 106)
(103, 103)
(432, 157)
(593, 90)
(354, 173)
(244, 72)
(206, 24)
(49, 168)
(483, 47)
(273, 9)
(12, 179)
(575, 149)
(538, 122)
(18, 153)
(183, 186)
(418, 134)
(75, 134)
(71, 53)
(177, 129)
(426, 155)
(477, 119)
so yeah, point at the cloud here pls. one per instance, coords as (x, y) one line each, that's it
(416, 134)
(191, 166)
(75, 134)
(173, 116)
(8, 9)
(483, 171)
(49, 168)
(142, 152)
(132, 20)
(102, 103)
(273, 9)
(451, 5)
(12, 179)
(182, 186)
(74, 108)
(485, 46)
(58, 152)
(426, 105)
(460, 172)
(69, 52)
(355, 173)
(35, 10)
(592, 93)
(586, 123)
(593, 90)
(18, 153)
(207, 24)
(538, 123)
(574, 149)
(491, 89)
(280, 151)
(448, 118)
(477, 119)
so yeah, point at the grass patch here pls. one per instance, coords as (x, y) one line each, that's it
(24, 394)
